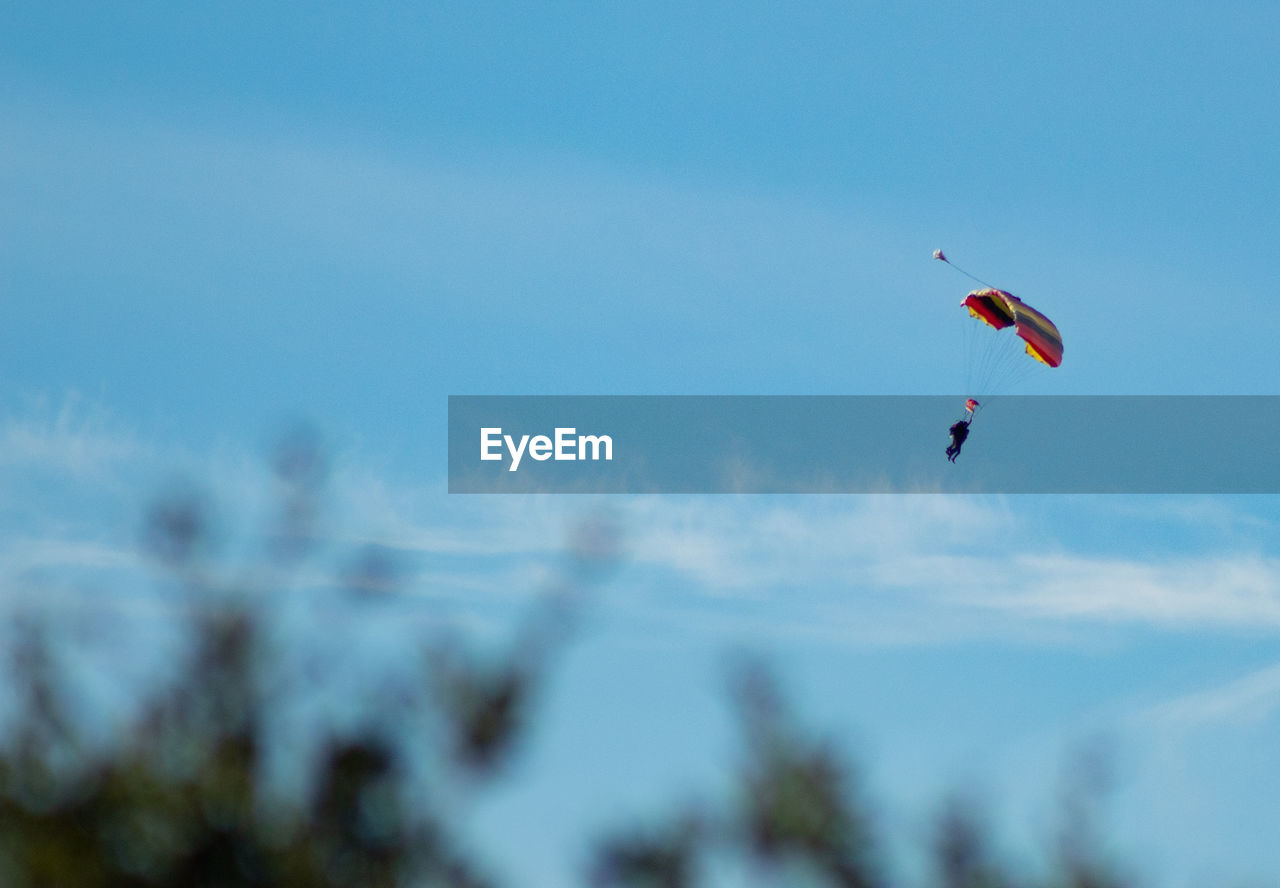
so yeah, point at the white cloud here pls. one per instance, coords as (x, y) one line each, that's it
(880, 568)
(1211, 590)
(24, 555)
(78, 438)
(1247, 700)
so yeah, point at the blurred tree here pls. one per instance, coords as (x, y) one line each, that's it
(180, 799)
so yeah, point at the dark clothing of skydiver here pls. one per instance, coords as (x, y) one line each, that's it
(959, 432)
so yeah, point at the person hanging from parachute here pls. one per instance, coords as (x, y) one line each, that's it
(998, 309)
(960, 430)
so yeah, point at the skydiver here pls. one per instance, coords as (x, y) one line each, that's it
(959, 432)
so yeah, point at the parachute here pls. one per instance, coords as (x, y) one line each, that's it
(998, 357)
(1000, 309)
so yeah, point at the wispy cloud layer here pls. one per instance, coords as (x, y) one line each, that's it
(893, 567)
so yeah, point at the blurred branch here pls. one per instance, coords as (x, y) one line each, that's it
(796, 797)
(666, 857)
(963, 856)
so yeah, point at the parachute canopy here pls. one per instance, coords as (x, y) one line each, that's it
(1000, 309)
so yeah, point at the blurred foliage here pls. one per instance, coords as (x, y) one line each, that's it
(961, 850)
(796, 799)
(182, 799)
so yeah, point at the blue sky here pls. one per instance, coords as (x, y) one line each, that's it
(213, 221)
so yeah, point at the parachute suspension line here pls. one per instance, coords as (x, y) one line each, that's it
(993, 364)
(987, 357)
(979, 354)
(939, 255)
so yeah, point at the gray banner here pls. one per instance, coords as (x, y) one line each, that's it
(862, 444)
